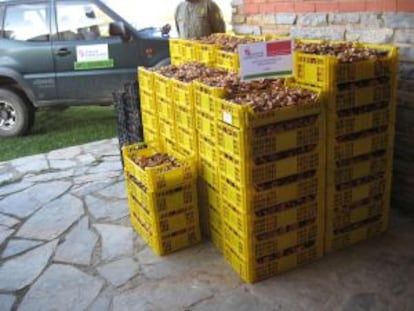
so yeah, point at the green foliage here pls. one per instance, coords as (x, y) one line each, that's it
(57, 128)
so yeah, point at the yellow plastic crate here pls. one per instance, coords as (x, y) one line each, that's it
(326, 71)
(182, 94)
(216, 238)
(208, 172)
(209, 194)
(243, 116)
(208, 150)
(267, 220)
(227, 60)
(184, 117)
(204, 98)
(147, 101)
(340, 150)
(168, 243)
(149, 120)
(270, 37)
(167, 201)
(248, 173)
(145, 79)
(365, 232)
(254, 270)
(165, 223)
(167, 129)
(188, 50)
(206, 53)
(165, 108)
(158, 178)
(244, 144)
(141, 228)
(167, 145)
(206, 126)
(175, 51)
(247, 199)
(341, 199)
(177, 61)
(255, 38)
(152, 138)
(339, 219)
(172, 146)
(360, 95)
(187, 152)
(259, 248)
(340, 126)
(187, 138)
(215, 217)
(367, 167)
(162, 86)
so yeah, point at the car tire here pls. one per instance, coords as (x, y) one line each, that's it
(16, 117)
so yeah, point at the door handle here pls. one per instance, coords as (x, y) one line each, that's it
(63, 52)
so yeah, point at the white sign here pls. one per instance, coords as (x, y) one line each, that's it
(266, 59)
(94, 52)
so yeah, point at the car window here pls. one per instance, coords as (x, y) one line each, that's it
(27, 22)
(1, 21)
(81, 20)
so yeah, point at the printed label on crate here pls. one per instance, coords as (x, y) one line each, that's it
(266, 59)
(227, 117)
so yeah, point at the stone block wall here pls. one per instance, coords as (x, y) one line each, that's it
(373, 21)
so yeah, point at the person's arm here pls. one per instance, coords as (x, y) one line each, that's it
(216, 18)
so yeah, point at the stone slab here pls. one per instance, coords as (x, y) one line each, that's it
(20, 272)
(53, 219)
(17, 246)
(313, 19)
(78, 245)
(8, 221)
(120, 271)
(106, 210)
(26, 202)
(116, 241)
(62, 288)
(5, 233)
(14, 187)
(65, 153)
(36, 163)
(6, 302)
(117, 190)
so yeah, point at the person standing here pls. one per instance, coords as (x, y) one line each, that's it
(198, 18)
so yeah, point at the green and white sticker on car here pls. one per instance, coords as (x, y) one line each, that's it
(95, 56)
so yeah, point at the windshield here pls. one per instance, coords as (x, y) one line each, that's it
(142, 14)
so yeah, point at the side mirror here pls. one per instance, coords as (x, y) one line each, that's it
(165, 30)
(118, 29)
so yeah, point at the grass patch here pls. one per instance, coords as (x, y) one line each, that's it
(54, 129)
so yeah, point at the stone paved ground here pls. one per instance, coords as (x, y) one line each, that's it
(66, 244)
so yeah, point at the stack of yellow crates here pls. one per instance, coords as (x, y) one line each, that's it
(208, 156)
(182, 95)
(162, 201)
(271, 171)
(185, 50)
(149, 110)
(168, 113)
(360, 134)
(279, 188)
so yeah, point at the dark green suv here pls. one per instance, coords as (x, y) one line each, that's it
(65, 52)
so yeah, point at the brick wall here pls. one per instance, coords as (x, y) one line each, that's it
(374, 21)
(300, 6)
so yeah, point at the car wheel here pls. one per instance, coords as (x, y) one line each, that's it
(15, 115)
